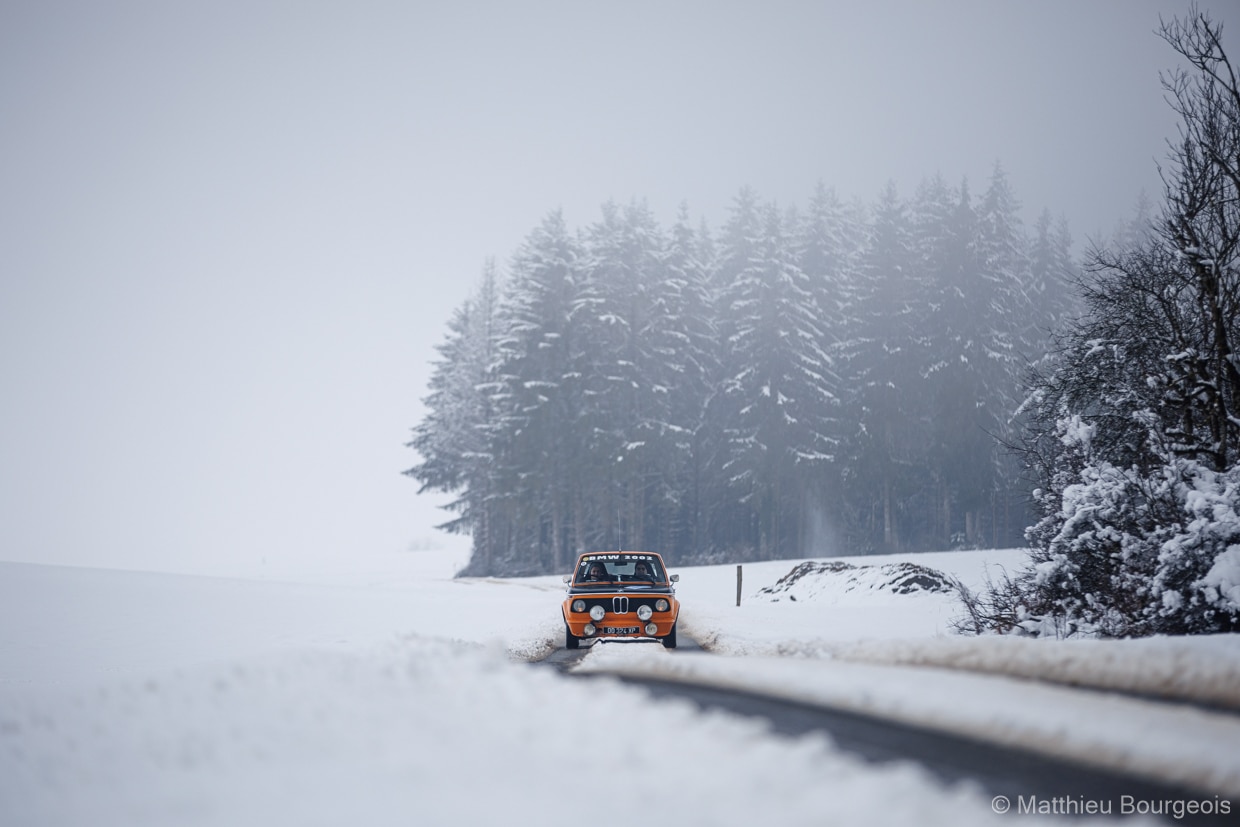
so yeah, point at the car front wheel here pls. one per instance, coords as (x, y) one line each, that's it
(571, 641)
(669, 641)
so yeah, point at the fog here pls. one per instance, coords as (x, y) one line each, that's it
(232, 233)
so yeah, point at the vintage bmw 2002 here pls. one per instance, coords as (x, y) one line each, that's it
(620, 594)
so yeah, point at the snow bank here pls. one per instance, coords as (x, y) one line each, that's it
(1202, 670)
(1176, 744)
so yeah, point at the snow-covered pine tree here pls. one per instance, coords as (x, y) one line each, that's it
(1003, 248)
(1051, 286)
(682, 344)
(536, 412)
(452, 439)
(944, 357)
(782, 399)
(828, 241)
(884, 449)
(622, 374)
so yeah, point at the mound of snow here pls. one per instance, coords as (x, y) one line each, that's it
(836, 579)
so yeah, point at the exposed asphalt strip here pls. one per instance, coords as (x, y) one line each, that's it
(1015, 774)
(1018, 777)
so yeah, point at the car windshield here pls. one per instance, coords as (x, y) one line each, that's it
(613, 569)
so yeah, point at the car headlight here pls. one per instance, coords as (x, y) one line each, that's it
(589, 629)
(579, 605)
(644, 612)
(652, 629)
(597, 612)
(661, 605)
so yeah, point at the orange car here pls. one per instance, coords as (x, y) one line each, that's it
(620, 594)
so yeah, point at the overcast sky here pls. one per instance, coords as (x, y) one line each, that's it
(232, 232)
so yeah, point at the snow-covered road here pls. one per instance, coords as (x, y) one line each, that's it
(395, 695)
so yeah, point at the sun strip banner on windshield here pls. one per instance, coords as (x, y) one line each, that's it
(589, 558)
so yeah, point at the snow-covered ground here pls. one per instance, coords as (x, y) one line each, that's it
(390, 693)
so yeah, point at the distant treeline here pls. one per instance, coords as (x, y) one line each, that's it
(835, 379)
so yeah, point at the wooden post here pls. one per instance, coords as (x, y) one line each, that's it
(738, 585)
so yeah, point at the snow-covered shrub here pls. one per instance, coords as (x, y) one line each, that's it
(1196, 585)
(1093, 549)
(1123, 552)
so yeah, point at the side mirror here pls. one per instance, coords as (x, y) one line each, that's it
(567, 578)
(675, 578)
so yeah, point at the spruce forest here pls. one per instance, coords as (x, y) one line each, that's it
(837, 378)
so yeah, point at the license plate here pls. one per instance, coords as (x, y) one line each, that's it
(620, 630)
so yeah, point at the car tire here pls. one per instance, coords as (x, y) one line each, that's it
(571, 641)
(669, 640)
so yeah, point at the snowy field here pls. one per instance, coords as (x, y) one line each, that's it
(392, 694)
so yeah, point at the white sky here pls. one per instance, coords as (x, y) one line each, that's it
(231, 233)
